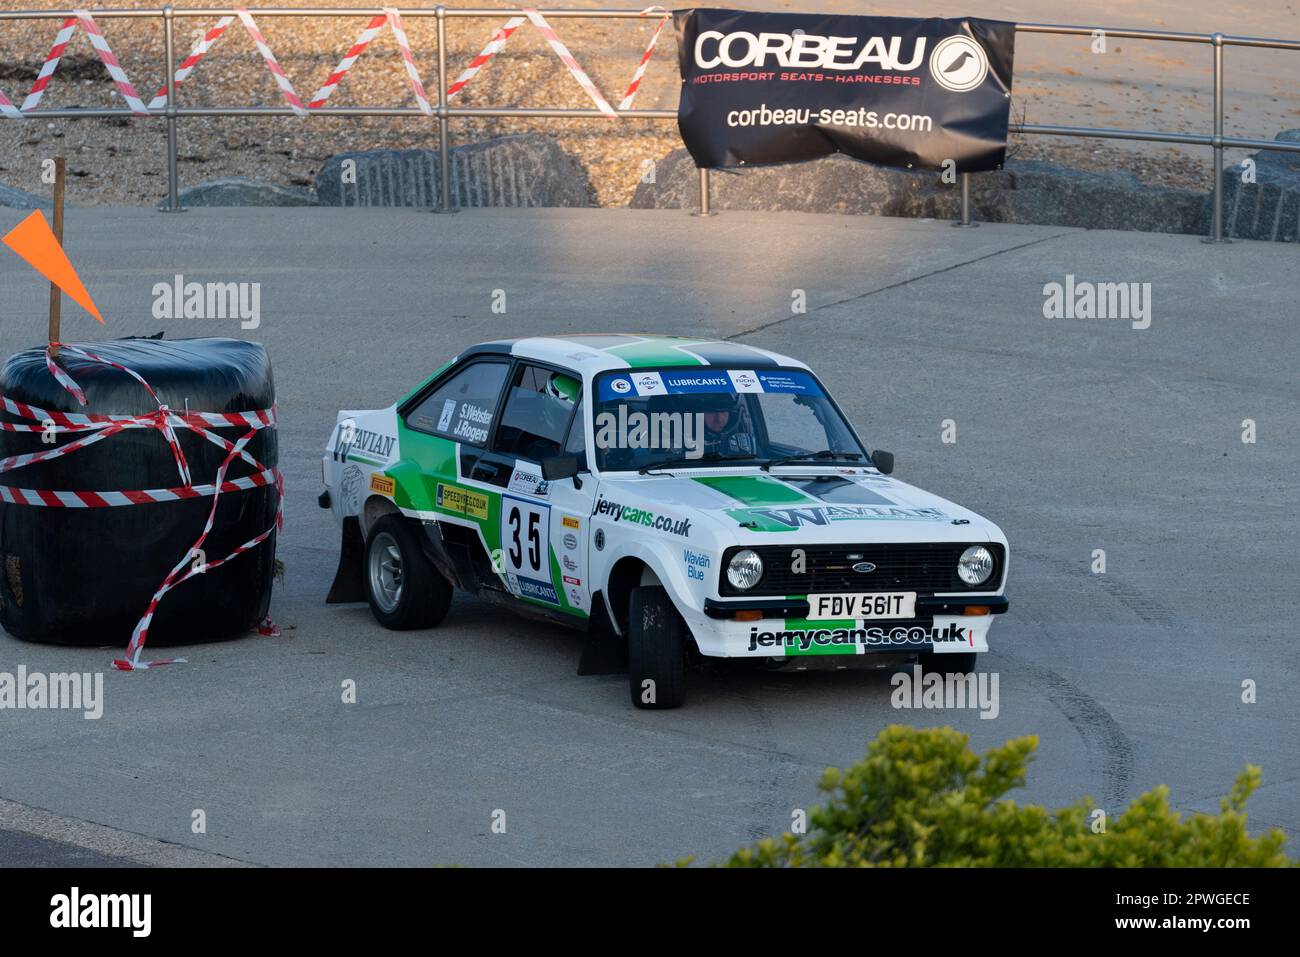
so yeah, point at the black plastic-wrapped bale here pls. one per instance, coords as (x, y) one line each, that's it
(86, 575)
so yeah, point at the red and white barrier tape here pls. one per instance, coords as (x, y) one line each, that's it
(495, 46)
(498, 42)
(166, 421)
(567, 58)
(391, 17)
(272, 64)
(641, 67)
(7, 109)
(102, 50)
(114, 68)
(66, 30)
(77, 420)
(190, 62)
(332, 81)
(27, 496)
(408, 58)
(132, 660)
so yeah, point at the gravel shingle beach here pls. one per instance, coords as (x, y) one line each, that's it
(1132, 85)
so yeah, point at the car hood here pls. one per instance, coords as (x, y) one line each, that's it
(828, 505)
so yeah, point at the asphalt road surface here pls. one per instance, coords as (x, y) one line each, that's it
(1073, 435)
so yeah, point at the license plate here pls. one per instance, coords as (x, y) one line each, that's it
(862, 606)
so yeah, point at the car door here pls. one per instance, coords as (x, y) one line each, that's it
(447, 431)
(542, 556)
(572, 501)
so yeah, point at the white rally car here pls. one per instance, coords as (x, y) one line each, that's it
(679, 499)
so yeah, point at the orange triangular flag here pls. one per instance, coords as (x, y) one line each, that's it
(34, 241)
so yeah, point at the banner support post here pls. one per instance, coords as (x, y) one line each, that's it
(706, 206)
(965, 222)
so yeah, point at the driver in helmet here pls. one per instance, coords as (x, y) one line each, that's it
(548, 432)
(563, 387)
(724, 433)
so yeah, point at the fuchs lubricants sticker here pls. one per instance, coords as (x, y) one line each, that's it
(695, 380)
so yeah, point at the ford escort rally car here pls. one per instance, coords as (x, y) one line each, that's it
(679, 499)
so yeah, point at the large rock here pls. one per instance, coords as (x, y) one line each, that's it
(239, 191)
(1032, 191)
(1268, 208)
(16, 198)
(1026, 191)
(835, 184)
(526, 170)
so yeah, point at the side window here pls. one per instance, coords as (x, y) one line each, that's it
(462, 407)
(536, 416)
(576, 444)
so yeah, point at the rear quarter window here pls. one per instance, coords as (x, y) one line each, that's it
(462, 408)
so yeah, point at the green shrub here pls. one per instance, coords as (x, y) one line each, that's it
(922, 798)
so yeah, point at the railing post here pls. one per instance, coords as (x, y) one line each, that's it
(1216, 208)
(444, 158)
(965, 221)
(169, 46)
(706, 205)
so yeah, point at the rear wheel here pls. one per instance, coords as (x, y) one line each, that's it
(404, 589)
(959, 664)
(656, 650)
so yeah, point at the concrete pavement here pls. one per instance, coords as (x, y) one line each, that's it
(1073, 435)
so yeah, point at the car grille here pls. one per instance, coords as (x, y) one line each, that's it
(922, 568)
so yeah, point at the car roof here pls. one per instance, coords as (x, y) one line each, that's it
(591, 353)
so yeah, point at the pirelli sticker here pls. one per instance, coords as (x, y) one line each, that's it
(571, 522)
(452, 498)
(382, 484)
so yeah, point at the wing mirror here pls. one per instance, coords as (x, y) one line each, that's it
(883, 461)
(560, 467)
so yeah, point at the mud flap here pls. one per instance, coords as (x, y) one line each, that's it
(605, 651)
(348, 584)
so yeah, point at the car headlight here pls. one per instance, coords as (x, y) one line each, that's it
(745, 569)
(975, 565)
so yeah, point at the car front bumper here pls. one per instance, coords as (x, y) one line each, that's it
(776, 627)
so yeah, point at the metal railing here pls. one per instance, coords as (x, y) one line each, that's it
(444, 114)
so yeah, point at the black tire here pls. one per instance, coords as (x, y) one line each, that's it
(656, 650)
(934, 664)
(421, 595)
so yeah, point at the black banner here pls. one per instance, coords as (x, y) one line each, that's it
(762, 88)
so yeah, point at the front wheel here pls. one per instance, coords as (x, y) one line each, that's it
(656, 652)
(404, 589)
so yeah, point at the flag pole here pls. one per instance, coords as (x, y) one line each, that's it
(56, 294)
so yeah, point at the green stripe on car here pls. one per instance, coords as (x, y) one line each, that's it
(655, 352)
(756, 490)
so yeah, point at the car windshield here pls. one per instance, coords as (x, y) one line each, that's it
(698, 418)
